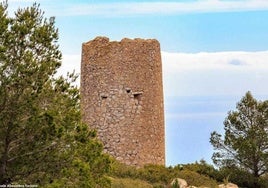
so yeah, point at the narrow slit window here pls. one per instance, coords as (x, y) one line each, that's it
(128, 90)
(104, 97)
(137, 95)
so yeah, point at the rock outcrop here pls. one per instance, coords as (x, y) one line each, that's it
(180, 182)
(228, 185)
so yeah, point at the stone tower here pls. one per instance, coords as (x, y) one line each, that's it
(122, 98)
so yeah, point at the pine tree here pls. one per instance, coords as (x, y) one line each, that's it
(42, 138)
(245, 143)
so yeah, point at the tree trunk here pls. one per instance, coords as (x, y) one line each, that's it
(3, 169)
(4, 159)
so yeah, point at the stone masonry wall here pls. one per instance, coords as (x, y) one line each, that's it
(122, 97)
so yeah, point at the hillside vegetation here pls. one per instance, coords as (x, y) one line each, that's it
(199, 174)
(158, 176)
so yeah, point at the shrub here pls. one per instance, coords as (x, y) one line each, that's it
(156, 174)
(129, 183)
(121, 170)
(196, 179)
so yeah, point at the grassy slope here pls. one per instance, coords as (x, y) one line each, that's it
(129, 183)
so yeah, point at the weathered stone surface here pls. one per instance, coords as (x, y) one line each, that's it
(228, 185)
(122, 97)
(181, 182)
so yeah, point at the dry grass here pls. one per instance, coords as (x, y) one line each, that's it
(129, 183)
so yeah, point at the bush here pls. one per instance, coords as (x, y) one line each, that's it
(121, 170)
(242, 178)
(202, 167)
(263, 181)
(129, 183)
(156, 174)
(160, 176)
(196, 179)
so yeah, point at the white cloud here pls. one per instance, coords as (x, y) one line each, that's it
(70, 63)
(180, 62)
(236, 61)
(20, 1)
(69, 8)
(200, 115)
(161, 7)
(218, 73)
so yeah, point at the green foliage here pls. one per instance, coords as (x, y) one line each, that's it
(196, 179)
(156, 174)
(123, 171)
(202, 168)
(160, 176)
(244, 145)
(42, 138)
(129, 183)
(88, 167)
(223, 175)
(263, 181)
(241, 177)
(246, 137)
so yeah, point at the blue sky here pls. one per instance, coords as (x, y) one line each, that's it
(213, 52)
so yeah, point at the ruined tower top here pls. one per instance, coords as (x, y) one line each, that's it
(122, 97)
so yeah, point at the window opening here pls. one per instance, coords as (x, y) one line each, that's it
(128, 90)
(103, 96)
(137, 95)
